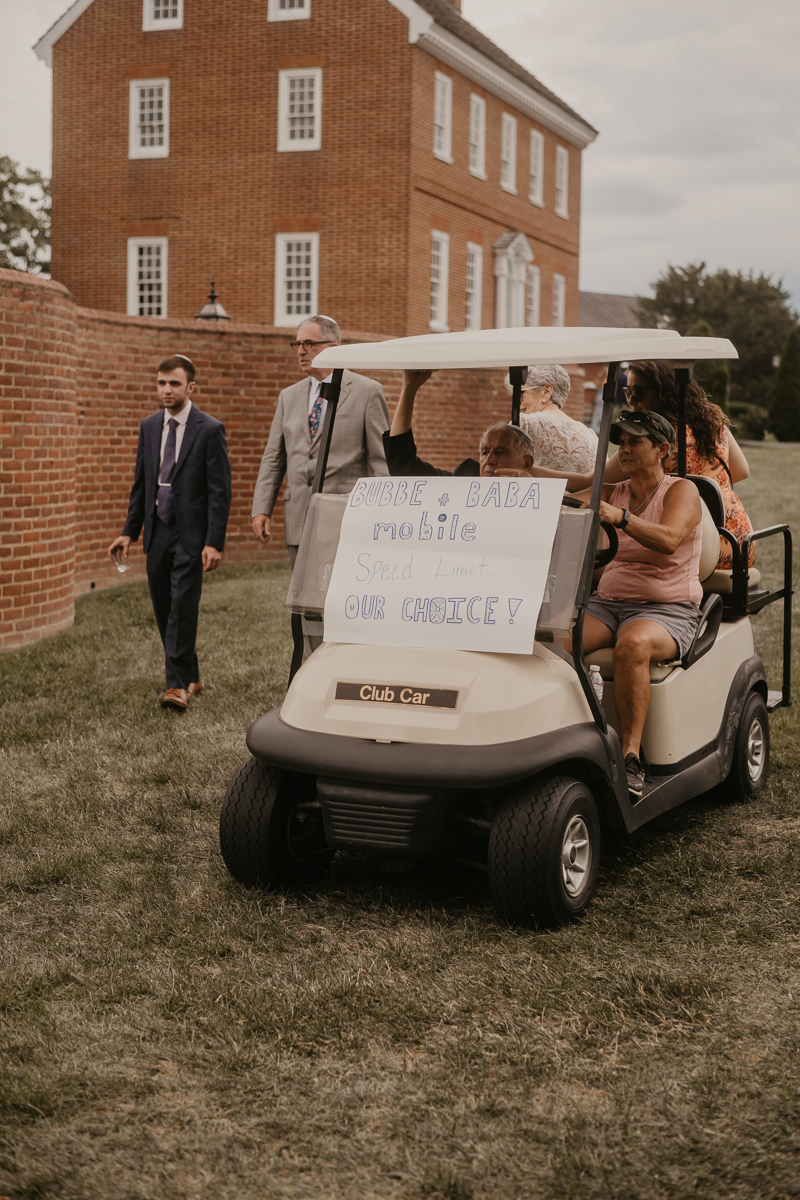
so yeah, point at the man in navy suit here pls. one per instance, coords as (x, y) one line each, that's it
(181, 494)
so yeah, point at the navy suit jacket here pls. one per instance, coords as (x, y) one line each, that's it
(201, 484)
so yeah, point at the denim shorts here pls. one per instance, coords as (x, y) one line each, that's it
(679, 618)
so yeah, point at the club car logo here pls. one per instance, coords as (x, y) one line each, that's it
(397, 693)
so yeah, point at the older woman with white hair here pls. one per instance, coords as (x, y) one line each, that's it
(561, 443)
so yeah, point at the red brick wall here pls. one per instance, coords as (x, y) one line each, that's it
(37, 457)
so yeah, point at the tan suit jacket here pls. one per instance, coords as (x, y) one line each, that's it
(356, 448)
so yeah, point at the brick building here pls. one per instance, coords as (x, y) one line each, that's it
(380, 160)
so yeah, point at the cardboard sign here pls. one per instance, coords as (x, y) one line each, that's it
(443, 562)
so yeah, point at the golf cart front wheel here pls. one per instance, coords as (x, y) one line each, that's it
(751, 749)
(271, 830)
(544, 852)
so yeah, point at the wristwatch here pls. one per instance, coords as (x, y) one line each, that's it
(626, 516)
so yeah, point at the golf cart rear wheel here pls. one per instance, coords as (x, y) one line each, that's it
(544, 852)
(751, 750)
(271, 829)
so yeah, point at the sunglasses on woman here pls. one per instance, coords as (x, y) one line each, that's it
(637, 393)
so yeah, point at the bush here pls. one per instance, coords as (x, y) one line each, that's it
(749, 421)
(784, 396)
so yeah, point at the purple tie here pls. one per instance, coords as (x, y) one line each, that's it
(165, 506)
(314, 415)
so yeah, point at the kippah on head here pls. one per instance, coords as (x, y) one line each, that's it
(178, 360)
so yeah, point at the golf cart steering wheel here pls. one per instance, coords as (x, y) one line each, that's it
(571, 502)
(603, 557)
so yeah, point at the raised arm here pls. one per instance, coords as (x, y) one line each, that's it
(403, 414)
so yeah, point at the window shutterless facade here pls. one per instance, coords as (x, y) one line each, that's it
(477, 136)
(536, 178)
(162, 14)
(533, 298)
(300, 109)
(442, 117)
(559, 299)
(147, 277)
(440, 274)
(296, 277)
(562, 181)
(508, 154)
(474, 286)
(148, 131)
(288, 10)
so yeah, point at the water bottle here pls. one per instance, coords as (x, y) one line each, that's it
(597, 682)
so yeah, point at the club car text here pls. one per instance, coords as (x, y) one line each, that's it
(397, 693)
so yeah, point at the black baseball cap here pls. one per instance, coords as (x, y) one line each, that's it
(643, 423)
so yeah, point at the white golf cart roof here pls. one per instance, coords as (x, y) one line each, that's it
(524, 347)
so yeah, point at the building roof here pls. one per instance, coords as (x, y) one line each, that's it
(600, 310)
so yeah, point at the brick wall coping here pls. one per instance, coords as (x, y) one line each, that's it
(27, 279)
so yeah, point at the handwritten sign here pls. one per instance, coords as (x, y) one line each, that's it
(443, 562)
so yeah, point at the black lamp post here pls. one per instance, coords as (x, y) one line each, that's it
(212, 310)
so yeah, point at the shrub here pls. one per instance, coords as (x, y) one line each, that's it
(749, 421)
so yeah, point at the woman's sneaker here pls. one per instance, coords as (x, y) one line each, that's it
(635, 773)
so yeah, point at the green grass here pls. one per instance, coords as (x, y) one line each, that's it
(166, 1034)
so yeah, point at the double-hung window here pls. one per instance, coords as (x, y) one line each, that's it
(440, 275)
(536, 177)
(474, 285)
(147, 277)
(296, 277)
(508, 154)
(148, 128)
(559, 299)
(442, 117)
(477, 136)
(288, 10)
(534, 296)
(300, 109)
(162, 14)
(562, 181)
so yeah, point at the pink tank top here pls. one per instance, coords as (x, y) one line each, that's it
(636, 573)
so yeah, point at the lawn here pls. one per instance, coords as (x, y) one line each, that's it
(166, 1034)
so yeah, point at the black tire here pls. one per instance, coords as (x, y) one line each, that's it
(270, 830)
(529, 882)
(750, 750)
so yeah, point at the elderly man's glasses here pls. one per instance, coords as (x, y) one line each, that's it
(310, 345)
(637, 393)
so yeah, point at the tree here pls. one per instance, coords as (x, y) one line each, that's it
(750, 310)
(24, 218)
(713, 375)
(784, 400)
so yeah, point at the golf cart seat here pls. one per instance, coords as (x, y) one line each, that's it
(719, 581)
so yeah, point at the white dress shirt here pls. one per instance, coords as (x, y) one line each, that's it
(182, 417)
(313, 392)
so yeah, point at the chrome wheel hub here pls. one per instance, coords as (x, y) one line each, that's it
(755, 751)
(576, 855)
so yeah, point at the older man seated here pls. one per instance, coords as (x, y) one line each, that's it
(504, 449)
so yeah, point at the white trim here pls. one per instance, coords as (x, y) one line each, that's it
(276, 13)
(510, 271)
(508, 153)
(438, 321)
(135, 149)
(308, 306)
(44, 47)
(442, 117)
(419, 21)
(151, 25)
(562, 182)
(533, 299)
(474, 319)
(536, 182)
(559, 300)
(477, 125)
(285, 143)
(133, 276)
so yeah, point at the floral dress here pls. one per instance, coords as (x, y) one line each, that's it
(736, 519)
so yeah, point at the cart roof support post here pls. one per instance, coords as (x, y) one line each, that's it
(517, 377)
(684, 377)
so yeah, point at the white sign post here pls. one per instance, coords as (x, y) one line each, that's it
(443, 562)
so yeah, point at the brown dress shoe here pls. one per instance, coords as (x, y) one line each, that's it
(195, 688)
(177, 698)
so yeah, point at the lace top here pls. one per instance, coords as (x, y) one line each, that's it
(560, 445)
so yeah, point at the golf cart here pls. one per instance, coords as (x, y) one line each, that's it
(516, 764)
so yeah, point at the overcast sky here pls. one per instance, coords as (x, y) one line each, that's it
(697, 103)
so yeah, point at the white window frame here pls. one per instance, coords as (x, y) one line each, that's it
(562, 182)
(477, 136)
(533, 299)
(149, 22)
(285, 143)
(134, 149)
(536, 169)
(281, 316)
(559, 299)
(301, 13)
(508, 153)
(438, 321)
(133, 273)
(475, 297)
(442, 117)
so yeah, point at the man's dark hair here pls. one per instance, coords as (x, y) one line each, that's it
(173, 362)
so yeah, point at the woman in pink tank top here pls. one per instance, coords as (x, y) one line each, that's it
(646, 603)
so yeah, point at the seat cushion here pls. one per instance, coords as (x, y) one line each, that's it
(604, 659)
(722, 581)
